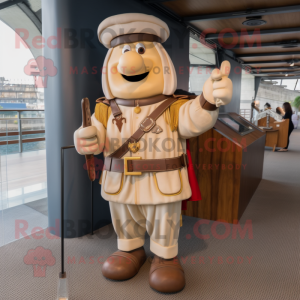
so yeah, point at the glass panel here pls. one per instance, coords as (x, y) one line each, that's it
(3, 193)
(35, 6)
(8, 126)
(23, 194)
(289, 84)
(9, 149)
(198, 76)
(8, 114)
(202, 62)
(200, 54)
(32, 136)
(32, 114)
(274, 81)
(34, 146)
(33, 124)
(235, 125)
(247, 94)
(247, 86)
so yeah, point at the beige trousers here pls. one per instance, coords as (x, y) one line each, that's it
(162, 222)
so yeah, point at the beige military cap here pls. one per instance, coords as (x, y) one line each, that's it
(130, 28)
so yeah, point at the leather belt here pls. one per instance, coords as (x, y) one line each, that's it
(141, 102)
(136, 166)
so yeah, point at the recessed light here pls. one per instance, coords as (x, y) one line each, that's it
(254, 21)
(290, 46)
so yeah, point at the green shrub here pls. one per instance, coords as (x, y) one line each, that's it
(296, 102)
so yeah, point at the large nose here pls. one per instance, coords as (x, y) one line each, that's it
(131, 63)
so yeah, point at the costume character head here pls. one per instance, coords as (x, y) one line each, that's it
(136, 65)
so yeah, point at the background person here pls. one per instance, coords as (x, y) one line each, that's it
(288, 115)
(267, 106)
(295, 119)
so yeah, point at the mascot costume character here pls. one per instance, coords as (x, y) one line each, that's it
(142, 127)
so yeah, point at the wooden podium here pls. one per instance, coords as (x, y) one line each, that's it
(278, 135)
(229, 168)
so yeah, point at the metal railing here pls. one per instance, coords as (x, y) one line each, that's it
(21, 124)
(246, 113)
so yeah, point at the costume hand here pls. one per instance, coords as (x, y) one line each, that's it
(86, 141)
(218, 88)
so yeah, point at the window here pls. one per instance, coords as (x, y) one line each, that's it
(289, 84)
(274, 82)
(247, 94)
(202, 62)
(22, 125)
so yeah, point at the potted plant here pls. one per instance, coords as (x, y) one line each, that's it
(296, 104)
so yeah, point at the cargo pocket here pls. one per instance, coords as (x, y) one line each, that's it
(113, 183)
(168, 183)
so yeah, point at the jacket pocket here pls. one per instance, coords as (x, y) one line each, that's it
(113, 183)
(168, 183)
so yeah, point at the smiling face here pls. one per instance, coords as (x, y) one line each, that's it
(135, 71)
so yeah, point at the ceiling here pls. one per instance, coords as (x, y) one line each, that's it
(24, 14)
(276, 44)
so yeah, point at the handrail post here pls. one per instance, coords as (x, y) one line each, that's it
(62, 208)
(20, 131)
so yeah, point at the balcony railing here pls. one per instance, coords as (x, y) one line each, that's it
(246, 113)
(21, 126)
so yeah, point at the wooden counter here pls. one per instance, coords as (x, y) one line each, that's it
(283, 130)
(271, 137)
(229, 169)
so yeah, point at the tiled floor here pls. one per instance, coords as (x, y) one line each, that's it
(23, 186)
(18, 220)
(257, 260)
(23, 178)
(39, 205)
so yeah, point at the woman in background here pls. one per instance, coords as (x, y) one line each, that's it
(288, 115)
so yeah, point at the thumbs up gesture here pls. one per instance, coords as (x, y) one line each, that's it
(218, 88)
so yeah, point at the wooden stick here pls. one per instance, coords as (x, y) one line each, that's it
(87, 121)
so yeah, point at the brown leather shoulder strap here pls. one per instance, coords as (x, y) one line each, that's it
(115, 108)
(103, 100)
(146, 125)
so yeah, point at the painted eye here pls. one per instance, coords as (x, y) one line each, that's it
(140, 48)
(126, 48)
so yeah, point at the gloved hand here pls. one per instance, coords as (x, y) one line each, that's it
(86, 141)
(218, 88)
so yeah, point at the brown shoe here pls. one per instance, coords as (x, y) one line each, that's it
(166, 275)
(123, 265)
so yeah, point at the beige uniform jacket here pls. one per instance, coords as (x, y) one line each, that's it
(150, 187)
